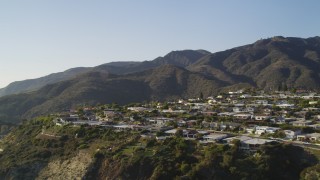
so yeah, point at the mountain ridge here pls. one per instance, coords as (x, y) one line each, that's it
(269, 64)
(180, 58)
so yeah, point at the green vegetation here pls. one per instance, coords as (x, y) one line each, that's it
(125, 155)
(28, 148)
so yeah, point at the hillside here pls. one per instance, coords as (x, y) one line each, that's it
(182, 58)
(178, 58)
(163, 83)
(34, 84)
(268, 64)
(39, 149)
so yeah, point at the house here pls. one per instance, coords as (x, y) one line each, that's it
(251, 129)
(301, 123)
(122, 127)
(209, 113)
(181, 123)
(73, 117)
(309, 137)
(262, 102)
(203, 132)
(226, 114)
(191, 123)
(267, 111)
(314, 126)
(312, 109)
(285, 105)
(244, 96)
(178, 111)
(236, 92)
(190, 134)
(237, 109)
(239, 105)
(249, 109)
(314, 136)
(111, 114)
(211, 124)
(227, 126)
(300, 114)
(231, 139)
(310, 96)
(242, 116)
(214, 137)
(137, 109)
(161, 138)
(90, 123)
(171, 132)
(265, 129)
(247, 144)
(212, 101)
(160, 121)
(252, 145)
(261, 117)
(291, 134)
(313, 102)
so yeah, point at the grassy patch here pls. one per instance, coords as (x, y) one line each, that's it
(315, 152)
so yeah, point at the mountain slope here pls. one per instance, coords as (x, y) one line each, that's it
(34, 84)
(268, 64)
(163, 83)
(182, 58)
(178, 58)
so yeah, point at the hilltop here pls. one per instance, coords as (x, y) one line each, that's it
(43, 148)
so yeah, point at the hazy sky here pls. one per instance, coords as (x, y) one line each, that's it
(39, 37)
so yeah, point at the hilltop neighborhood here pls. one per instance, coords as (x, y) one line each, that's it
(252, 118)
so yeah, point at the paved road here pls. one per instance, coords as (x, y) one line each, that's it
(305, 145)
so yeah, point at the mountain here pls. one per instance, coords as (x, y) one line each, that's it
(267, 64)
(34, 84)
(178, 58)
(270, 64)
(163, 83)
(182, 58)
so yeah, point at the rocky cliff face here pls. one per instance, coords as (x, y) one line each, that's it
(74, 168)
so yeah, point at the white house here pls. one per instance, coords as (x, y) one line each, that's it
(290, 134)
(261, 117)
(252, 145)
(243, 116)
(160, 120)
(301, 123)
(137, 109)
(309, 137)
(251, 129)
(265, 129)
(240, 138)
(214, 137)
(263, 102)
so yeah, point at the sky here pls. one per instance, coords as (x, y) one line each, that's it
(39, 37)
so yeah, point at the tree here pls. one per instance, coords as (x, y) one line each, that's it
(172, 123)
(279, 134)
(311, 173)
(201, 96)
(179, 133)
(307, 130)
